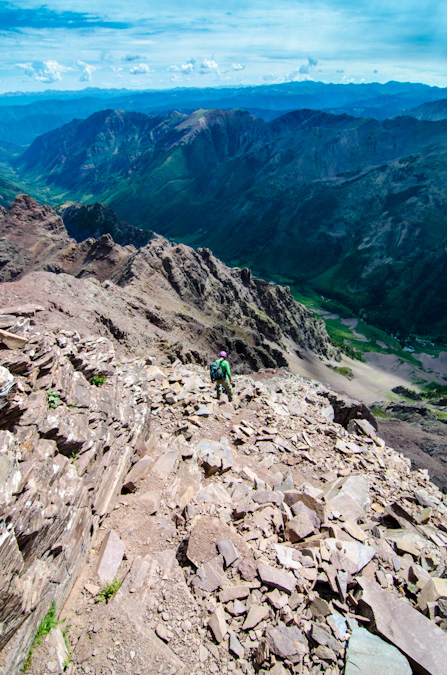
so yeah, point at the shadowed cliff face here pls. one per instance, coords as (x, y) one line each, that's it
(93, 220)
(186, 302)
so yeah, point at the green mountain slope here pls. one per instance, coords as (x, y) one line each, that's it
(355, 208)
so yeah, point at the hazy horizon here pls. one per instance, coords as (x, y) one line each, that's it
(110, 45)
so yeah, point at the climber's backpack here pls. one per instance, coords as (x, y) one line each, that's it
(216, 371)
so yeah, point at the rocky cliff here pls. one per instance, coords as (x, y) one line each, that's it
(172, 293)
(65, 448)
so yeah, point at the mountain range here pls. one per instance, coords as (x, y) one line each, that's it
(353, 207)
(24, 116)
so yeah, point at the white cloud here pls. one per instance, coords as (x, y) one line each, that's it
(44, 71)
(209, 66)
(306, 68)
(140, 69)
(237, 66)
(87, 71)
(186, 68)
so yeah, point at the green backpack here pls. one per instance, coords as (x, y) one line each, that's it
(216, 371)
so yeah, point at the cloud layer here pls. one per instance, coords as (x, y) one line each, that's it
(169, 43)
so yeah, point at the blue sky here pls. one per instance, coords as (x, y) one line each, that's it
(137, 44)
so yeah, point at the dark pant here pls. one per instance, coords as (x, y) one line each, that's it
(227, 386)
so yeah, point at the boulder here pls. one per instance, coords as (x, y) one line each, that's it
(422, 641)
(368, 654)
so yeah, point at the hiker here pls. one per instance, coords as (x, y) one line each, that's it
(221, 375)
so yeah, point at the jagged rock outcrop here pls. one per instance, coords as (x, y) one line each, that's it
(84, 221)
(66, 446)
(231, 295)
(169, 290)
(30, 234)
(33, 237)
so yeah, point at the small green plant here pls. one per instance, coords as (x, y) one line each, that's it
(47, 623)
(378, 412)
(343, 370)
(74, 457)
(54, 398)
(67, 644)
(108, 591)
(98, 380)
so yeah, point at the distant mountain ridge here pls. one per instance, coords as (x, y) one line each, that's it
(354, 207)
(433, 111)
(24, 116)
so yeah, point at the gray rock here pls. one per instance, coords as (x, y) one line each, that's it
(111, 554)
(247, 570)
(234, 593)
(255, 615)
(137, 473)
(299, 527)
(165, 464)
(422, 641)
(218, 624)
(215, 456)
(11, 340)
(368, 654)
(287, 642)
(267, 497)
(349, 496)
(271, 576)
(235, 647)
(349, 556)
(228, 550)
(324, 638)
(210, 576)
(285, 555)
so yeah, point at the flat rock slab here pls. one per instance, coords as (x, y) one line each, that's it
(271, 576)
(137, 473)
(436, 588)
(352, 556)
(110, 557)
(422, 642)
(368, 654)
(299, 527)
(234, 593)
(348, 496)
(215, 456)
(210, 576)
(267, 497)
(285, 555)
(165, 464)
(287, 642)
(11, 340)
(218, 624)
(255, 615)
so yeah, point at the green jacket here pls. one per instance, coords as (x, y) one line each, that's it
(226, 368)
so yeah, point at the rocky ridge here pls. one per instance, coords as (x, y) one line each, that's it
(260, 536)
(65, 448)
(162, 293)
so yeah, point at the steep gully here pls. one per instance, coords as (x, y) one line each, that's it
(257, 536)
